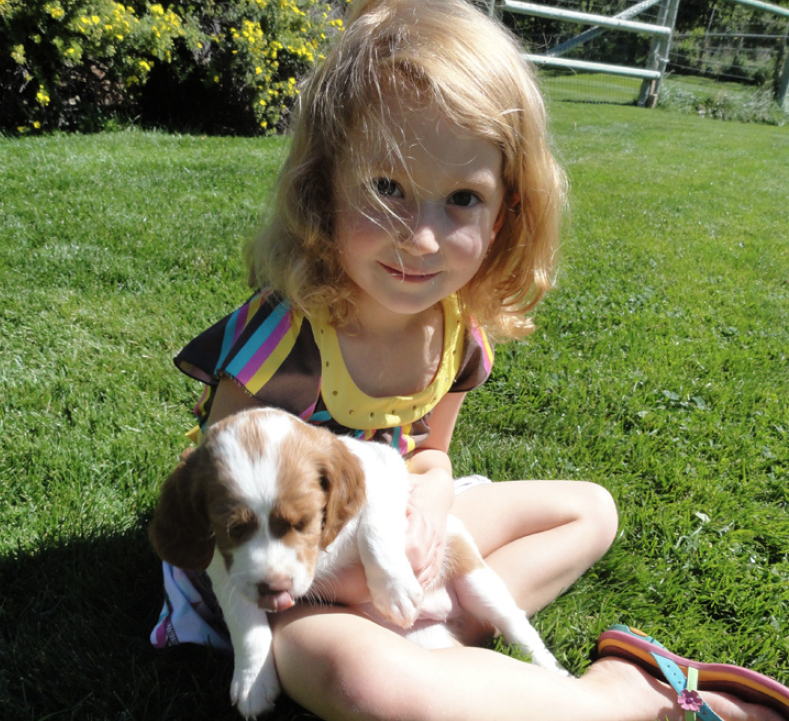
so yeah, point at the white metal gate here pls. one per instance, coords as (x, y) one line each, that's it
(661, 33)
(651, 75)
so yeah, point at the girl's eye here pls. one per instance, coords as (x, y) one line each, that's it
(386, 187)
(464, 198)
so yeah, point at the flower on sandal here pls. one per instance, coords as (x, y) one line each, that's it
(690, 701)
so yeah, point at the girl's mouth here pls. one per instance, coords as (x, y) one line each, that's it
(407, 276)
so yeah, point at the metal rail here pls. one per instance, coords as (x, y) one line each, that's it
(592, 33)
(571, 16)
(594, 67)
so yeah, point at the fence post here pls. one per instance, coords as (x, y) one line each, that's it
(658, 54)
(783, 85)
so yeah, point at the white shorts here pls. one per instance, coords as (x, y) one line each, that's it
(464, 483)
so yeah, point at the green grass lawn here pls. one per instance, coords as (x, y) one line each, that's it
(659, 369)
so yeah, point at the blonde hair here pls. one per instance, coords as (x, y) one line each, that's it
(462, 63)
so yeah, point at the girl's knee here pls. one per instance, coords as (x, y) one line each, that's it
(600, 515)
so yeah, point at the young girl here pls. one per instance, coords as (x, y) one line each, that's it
(415, 222)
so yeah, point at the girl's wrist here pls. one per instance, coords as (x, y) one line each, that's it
(433, 494)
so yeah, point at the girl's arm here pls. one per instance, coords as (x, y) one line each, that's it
(433, 491)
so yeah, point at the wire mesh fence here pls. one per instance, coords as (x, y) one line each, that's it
(582, 87)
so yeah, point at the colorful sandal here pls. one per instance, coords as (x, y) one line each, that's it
(688, 677)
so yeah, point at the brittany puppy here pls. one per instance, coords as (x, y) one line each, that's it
(273, 508)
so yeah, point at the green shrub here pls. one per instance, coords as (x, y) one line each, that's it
(80, 64)
(743, 104)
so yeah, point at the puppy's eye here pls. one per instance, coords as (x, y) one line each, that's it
(241, 531)
(242, 524)
(281, 525)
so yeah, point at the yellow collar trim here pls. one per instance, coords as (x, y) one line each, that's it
(353, 408)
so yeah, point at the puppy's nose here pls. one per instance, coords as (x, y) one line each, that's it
(274, 585)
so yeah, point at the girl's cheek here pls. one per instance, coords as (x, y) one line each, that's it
(471, 242)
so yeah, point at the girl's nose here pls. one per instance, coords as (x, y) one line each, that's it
(421, 235)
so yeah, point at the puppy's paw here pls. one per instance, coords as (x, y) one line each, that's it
(398, 599)
(545, 659)
(255, 688)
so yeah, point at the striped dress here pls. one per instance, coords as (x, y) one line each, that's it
(283, 360)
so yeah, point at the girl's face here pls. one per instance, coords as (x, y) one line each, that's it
(430, 221)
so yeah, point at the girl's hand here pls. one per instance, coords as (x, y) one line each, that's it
(425, 544)
(432, 492)
(426, 513)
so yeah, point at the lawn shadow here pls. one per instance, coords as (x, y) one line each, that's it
(74, 624)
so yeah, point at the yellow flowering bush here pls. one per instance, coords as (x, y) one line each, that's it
(229, 65)
(249, 61)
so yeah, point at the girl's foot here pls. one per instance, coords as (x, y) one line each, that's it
(659, 701)
(688, 688)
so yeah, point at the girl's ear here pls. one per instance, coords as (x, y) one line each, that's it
(509, 205)
(499, 222)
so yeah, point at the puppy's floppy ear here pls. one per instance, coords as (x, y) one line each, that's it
(343, 481)
(180, 530)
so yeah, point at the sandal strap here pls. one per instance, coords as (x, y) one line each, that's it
(686, 688)
(692, 685)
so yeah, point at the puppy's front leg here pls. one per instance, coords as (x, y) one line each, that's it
(255, 686)
(395, 591)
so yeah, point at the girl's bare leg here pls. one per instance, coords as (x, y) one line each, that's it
(539, 536)
(341, 667)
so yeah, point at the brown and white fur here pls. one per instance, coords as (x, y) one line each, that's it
(273, 508)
